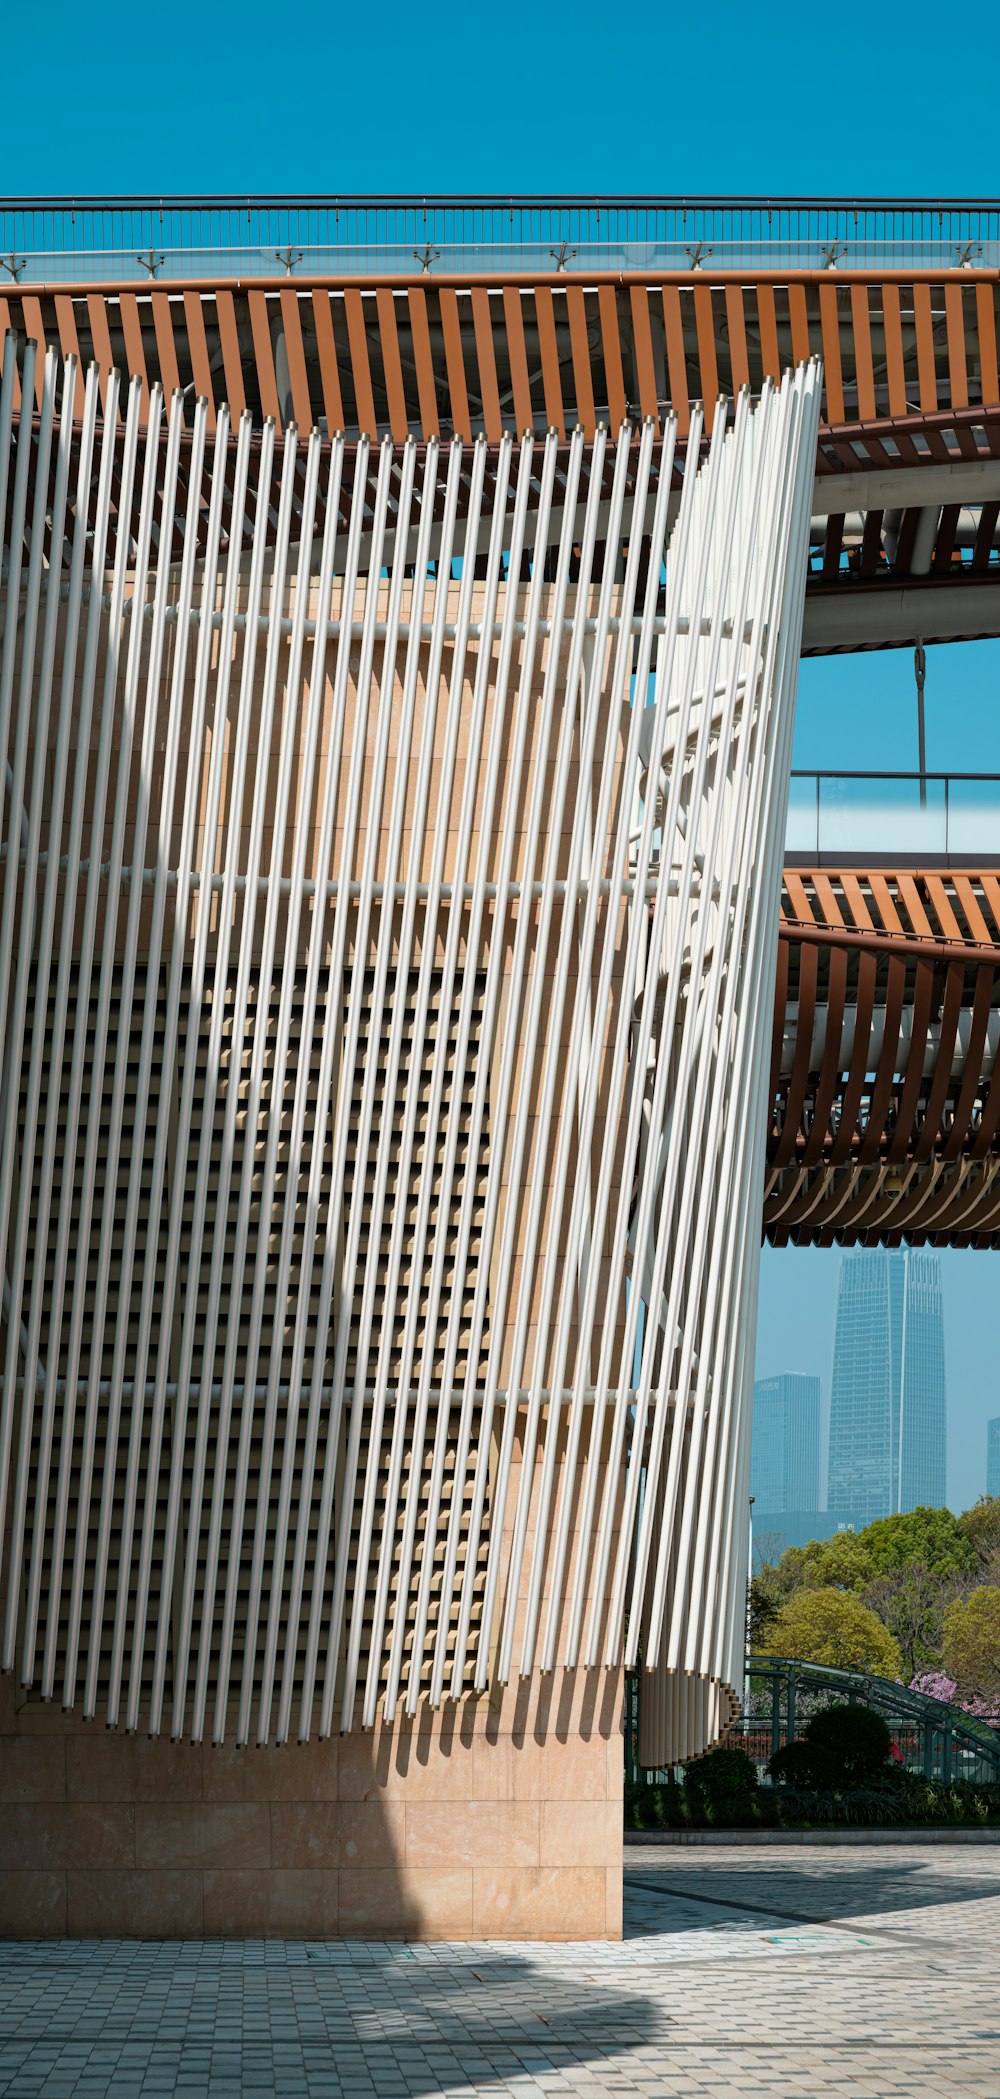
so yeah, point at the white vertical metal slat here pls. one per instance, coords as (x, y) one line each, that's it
(560, 1084)
(127, 995)
(746, 825)
(193, 787)
(493, 975)
(733, 1328)
(24, 617)
(8, 383)
(417, 981)
(224, 844)
(314, 703)
(520, 974)
(588, 1581)
(163, 734)
(499, 1094)
(675, 1232)
(288, 740)
(383, 943)
(335, 1422)
(706, 488)
(711, 1071)
(581, 944)
(95, 792)
(731, 1579)
(698, 1220)
(8, 374)
(199, 938)
(15, 1034)
(69, 699)
(528, 1137)
(158, 735)
(329, 1052)
(359, 833)
(81, 702)
(24, 845)
(14, 756)
(157, 907)
(111, 871)
(587, 1227)
(735, 1233)
(472, 779)
(421, 834)
(400, 946)
(273, 655)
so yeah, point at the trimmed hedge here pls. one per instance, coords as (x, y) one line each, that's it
(908, 1800)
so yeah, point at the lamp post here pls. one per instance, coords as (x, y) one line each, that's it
(920, 673)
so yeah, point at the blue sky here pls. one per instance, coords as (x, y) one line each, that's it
(556, 97)
(564, 98)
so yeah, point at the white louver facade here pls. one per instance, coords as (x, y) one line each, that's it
(387, 945)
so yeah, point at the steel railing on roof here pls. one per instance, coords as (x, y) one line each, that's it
(110, 238)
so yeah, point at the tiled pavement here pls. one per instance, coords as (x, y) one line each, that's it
(747, 1971)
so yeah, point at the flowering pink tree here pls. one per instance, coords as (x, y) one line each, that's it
(934, 1684)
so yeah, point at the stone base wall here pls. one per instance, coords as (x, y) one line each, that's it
(498, 1818)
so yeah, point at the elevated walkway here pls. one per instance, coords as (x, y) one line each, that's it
(930, 1737)
(441, 317)
(885, 1080)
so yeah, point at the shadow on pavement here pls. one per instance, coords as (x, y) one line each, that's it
(325, 2018)
(827, 1889)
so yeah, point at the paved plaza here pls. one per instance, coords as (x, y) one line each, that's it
(869, 1971)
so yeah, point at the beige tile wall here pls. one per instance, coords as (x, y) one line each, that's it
(498, 1818)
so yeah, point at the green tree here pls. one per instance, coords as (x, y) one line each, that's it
(933, 1536)
(832, 1626)
(843, 1562)
(981, 1526)
(970, 1645)
(911, 1602)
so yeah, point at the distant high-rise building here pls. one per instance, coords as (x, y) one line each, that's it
(993, 1456)
(887, 1402)
(784, 1454)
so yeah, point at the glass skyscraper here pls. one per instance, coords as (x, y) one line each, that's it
(887, 1402)
(993, 1456)
(784, 1456)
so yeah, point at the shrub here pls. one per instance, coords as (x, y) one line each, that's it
(857, 1739)
(650, 1806)
(960, 1800)
(804, 1765)
(906, 1798)
(721, 1785)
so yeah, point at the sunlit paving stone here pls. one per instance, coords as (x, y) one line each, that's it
(742, 1969)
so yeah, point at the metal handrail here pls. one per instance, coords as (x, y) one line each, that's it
(567, 232)
(479, 200)
(843, 772)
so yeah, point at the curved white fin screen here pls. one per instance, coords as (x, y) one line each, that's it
(386, 960)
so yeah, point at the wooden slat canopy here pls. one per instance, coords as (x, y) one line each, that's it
(885, 1079)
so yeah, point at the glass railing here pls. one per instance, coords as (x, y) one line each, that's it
(94, 239)
(892, 816)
